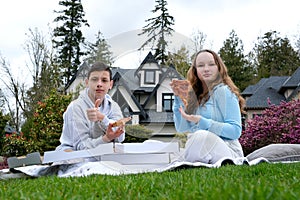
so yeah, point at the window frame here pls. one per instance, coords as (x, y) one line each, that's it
(170, 100)
(147, 78)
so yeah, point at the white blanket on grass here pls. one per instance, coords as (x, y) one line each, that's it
(114, 168)
(273, 153)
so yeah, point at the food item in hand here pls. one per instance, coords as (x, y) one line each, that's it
(121, 122)
(182, 87)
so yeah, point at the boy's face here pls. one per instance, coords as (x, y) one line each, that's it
(99, 84)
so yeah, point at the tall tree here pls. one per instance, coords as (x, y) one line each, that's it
(3, 122)
(233, 56)
(180, 60)
(99, 51)
(275, 56)
(157, 29)
(45, 74)
(198, 39)
(298, 45)
(68, 37)
(2, 101)
(21, 99)
(15, 94)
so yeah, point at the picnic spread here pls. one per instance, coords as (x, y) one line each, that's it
(133, 158)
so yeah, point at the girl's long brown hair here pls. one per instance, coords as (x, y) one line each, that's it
(199, 93)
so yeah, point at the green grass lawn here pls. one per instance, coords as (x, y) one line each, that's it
(262, 181)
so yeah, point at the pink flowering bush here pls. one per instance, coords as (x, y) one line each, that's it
(277, 124)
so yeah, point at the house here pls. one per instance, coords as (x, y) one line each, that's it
(143, 93)
(7, 131)
(274, 88)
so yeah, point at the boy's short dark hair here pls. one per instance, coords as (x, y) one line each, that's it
(99, 66)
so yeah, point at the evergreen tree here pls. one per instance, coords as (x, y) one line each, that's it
(232, 54)
(99, 51)
(68, 37)
(157, 29)
(275, 56)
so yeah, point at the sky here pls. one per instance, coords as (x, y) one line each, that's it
(216, 18)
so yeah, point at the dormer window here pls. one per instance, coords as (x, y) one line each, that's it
(150, 77)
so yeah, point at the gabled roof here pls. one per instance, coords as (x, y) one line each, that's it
(251, 89)
(8, 129)
(120, 80)
(132, 81)
(292, 82)
(170, 72)
(272, 88)
(294, 93)
(79, 73)
(266, 89)
(127, 78)
(148, 59)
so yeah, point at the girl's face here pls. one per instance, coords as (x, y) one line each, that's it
(207, 69)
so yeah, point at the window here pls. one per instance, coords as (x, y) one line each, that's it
(167, 102)
(150, 77)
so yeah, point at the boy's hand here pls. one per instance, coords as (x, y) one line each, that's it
(111, 134)
(93, 114)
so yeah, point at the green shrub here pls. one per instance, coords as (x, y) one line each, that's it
(137, 133)
(26, 127)
(182, 138)
(17, 145)
(42, 131)
(48, 121)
